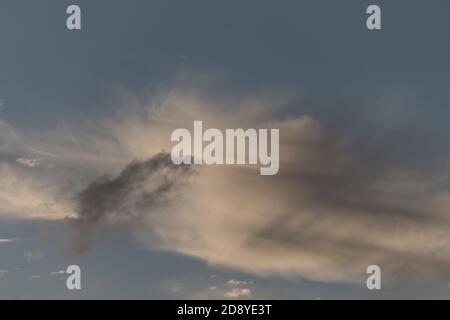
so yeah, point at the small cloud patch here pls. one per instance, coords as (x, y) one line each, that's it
(29, 162)
(236, 293)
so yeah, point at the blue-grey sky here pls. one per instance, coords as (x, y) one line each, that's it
(363, 118)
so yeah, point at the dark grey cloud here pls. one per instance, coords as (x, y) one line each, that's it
(142, 186)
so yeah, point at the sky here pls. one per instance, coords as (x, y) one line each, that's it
(85, 123)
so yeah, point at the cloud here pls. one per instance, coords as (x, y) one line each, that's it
(25, 195)
(233, 282)
(193, 287)
(237, 293)
(238, 289)
(140, 188)
(335, 207)
(331, 211)
(29, 162)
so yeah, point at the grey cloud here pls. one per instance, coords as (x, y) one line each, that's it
(142, 186)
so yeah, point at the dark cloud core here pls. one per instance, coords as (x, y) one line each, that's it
(139, 188)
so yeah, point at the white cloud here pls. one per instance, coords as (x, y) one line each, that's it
(233, 282)
(238, 293)
(29, 162)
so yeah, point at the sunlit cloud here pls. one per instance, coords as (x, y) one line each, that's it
(328, 214)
